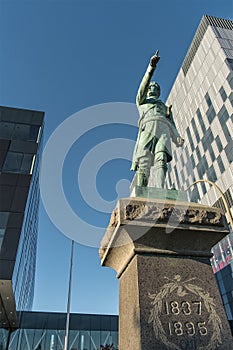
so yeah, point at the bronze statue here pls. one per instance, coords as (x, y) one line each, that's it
(156, 129)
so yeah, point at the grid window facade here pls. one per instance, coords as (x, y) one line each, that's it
(46, 331)
(207, 79)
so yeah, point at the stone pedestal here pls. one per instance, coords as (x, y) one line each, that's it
(169, 298)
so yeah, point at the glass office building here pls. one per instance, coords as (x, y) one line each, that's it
(202, 105)
(46, 331)
(20, 147)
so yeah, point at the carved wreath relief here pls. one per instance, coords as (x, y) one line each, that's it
(183, 316)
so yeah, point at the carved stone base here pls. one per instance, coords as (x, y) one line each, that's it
(169, 298)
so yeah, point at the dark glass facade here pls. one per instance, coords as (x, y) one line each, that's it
(25, 264)
(46, 331)
(20, 147)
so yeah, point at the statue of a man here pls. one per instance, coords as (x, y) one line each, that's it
(156, 129)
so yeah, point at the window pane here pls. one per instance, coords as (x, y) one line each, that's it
(3, 219)
(2, 232)
(6, 130)
(223, 115)
(190, 139)
(195, 195)
(220, 164)
(195, 130)
(18, 163)
(13, 162)
(212, 154)
(210, 115)
(14, 131)
(208, 100)
(230, 81)
(230, 63)
(200, 118)
(219, 143)
(231, 98)
(34, 130)
(26, 164)
(21, 132)
(25, 132)
(211, 175)
(223, 94)
(229, 152)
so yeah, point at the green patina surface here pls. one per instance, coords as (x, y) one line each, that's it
(159, 193)
(156, 131)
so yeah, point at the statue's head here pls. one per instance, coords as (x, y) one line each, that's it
(153, 90)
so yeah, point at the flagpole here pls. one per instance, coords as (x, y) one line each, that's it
(69, 298)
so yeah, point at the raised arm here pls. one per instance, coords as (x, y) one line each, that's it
(142, 91)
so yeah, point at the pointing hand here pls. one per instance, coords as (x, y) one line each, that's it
(155, 59)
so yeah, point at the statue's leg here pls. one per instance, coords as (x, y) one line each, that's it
(143, 171)
(142, 177)
(160, 164)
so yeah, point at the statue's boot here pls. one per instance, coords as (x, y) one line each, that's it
(142, 178)
(160, 177)
(160, 169)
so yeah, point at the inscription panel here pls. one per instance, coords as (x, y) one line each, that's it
(183, 316)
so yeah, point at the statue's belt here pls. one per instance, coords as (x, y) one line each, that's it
(155, 118)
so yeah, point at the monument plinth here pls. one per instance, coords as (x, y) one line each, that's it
(169, 298)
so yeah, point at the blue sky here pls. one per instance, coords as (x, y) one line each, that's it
(61, 57)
